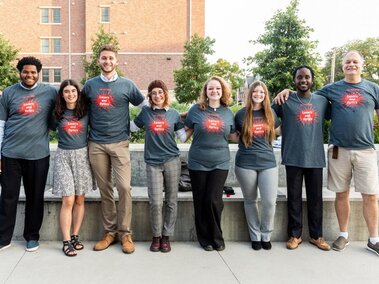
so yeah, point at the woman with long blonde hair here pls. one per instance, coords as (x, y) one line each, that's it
(255, 163)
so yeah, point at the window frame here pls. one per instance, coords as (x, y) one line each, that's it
(102, 9)
(49, 15)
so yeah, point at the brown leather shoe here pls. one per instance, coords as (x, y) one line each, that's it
(294, 242)
(155, 244)
(127, 244)
(107, 240)
(320, 243)
(165, 244)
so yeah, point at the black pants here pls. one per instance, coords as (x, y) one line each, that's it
(313, 185)
(207, 190)
(34, 175)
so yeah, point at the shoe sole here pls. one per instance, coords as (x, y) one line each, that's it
(337, 249)
(5, 247)
(296, 246)
(96, 249)
(374, 251)
(32, 249)
(321, 248)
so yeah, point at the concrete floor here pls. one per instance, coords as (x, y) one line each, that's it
(188, 263)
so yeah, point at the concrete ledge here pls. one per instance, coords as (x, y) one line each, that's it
(233, 218)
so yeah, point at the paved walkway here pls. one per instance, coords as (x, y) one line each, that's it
(188, 263)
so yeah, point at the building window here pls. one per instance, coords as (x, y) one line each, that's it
(51, 15)
(45, 45)
(104, 14)
(56, 45)
(57, 75)
(51, 45)
(45, 75)
(56, 15)
(51, 75)
(44, 16)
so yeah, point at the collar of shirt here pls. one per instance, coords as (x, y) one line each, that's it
(155, 107)
(34, 86)
(112, 79)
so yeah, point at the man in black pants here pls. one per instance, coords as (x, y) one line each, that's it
(25, 110)
(303, 155)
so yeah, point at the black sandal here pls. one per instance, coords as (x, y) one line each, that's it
(76, 243)
(68, 249)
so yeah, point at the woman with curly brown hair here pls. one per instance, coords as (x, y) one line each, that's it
(212, 123)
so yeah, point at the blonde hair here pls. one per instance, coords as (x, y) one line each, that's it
(248, 120)
(226, 93)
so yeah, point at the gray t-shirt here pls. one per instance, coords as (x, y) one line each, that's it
(72, 132)
(210, 148)
(109, 108)
(353, 107)
(260, 155)
(160, 126)
(27, 113)
(302, 130)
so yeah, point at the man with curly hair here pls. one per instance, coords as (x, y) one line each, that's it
(25, 111)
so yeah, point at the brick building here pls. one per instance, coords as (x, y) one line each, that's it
(151, 34)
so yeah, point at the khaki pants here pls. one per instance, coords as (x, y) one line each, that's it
(104, 158)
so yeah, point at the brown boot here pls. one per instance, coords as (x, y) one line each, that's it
(165, 244)
(107, 240)
(155, 244)
(127, 244)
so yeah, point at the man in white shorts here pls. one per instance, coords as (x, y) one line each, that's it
(352, 151)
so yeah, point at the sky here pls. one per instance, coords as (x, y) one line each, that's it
(232, 23)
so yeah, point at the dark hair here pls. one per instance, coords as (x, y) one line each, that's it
(30, 60)
(107, 47)
(60, 106)
(301, 67)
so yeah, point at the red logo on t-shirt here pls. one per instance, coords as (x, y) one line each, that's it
(29, 107)
(159, 126)
(213, 124)
(259, 129)
(352, 99)
(307, 116)
(105, 99)
(73, 127)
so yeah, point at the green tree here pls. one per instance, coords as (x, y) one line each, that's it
(8, 72)
(195, 69)
(287, 43)
(231, 72)
(91, 68)
(369, 48)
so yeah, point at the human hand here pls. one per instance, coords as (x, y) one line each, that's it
(282, 97)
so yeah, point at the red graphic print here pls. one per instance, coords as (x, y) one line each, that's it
(29, 107)
(213, 124)
(353, 99)
(307, 116)
(73, 127)
(159, 126)
(259, 129)
(105, 99)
